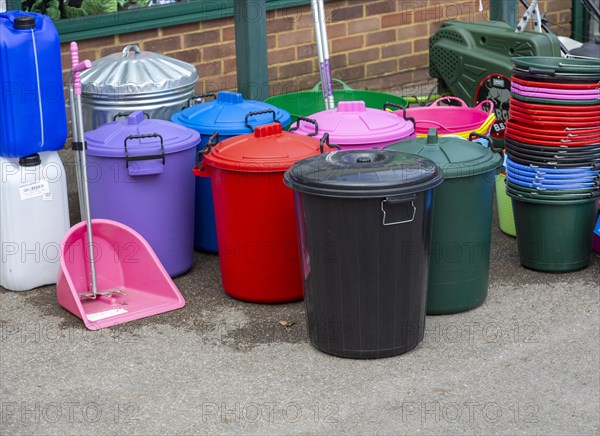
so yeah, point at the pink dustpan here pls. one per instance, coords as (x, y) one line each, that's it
(125, 263)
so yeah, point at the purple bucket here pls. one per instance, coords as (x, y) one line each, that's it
(140, 174)
(353, 126)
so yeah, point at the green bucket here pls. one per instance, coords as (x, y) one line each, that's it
(505, 210)
(554, 235)
(305, 103)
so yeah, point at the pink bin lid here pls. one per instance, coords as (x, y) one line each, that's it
(352, 123)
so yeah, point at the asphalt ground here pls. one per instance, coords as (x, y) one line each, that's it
(525, 362)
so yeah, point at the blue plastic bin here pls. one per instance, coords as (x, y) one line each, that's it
(229, 115)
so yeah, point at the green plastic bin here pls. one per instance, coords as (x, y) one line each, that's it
(305, 103)
(554, 235)
(462, 221)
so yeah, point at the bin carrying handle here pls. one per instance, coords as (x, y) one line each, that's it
(325, 140)
(266, 111)
(126, 114)
(410, 198)
(148, 156)
(388, 105)
(308, 120)
(212, 141)
(194, 99)
(130, 47)
(488, 138)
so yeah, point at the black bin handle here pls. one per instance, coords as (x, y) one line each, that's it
(266, 111)
(126, 114)
(307, 120)
(148, 156)
(325, 140)
(212, 142)
(388, 104)
(195, 98)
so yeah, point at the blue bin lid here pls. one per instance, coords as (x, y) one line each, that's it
(108, 140)
(227, 115)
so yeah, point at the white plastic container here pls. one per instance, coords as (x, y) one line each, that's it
(34, 216)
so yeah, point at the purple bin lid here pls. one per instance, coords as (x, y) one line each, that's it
(352, 123)
(108, 140)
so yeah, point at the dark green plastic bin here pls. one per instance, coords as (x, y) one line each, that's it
(305, 103)
(462, 221)
(554, 235)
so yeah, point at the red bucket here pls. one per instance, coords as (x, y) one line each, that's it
(255, 212)
(553, 85)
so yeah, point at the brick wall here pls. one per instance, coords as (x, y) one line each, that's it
(373, 45)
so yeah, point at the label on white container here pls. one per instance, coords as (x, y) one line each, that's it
(34, 189)
(47, 197)
(106, 314)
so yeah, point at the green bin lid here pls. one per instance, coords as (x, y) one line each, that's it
(456, 157)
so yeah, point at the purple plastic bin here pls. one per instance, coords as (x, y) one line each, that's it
(353, 126)
(140, 174)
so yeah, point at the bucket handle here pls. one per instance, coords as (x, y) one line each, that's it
(325, 141)
(130, 47)
(345, 87)
(308, 120)
(449, 98)
(148, 156)
(399, 200)
(126, 114)
(266, 111)
(490, 105)
(199, 98)
(388, 105)
(212, 142)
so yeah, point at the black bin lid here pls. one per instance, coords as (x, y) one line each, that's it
(363, 174)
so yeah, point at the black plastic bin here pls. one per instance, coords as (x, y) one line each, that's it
(364, 219)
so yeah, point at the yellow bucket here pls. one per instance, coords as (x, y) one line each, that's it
(484, 129)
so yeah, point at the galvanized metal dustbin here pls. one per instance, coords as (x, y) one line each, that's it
(121, 83)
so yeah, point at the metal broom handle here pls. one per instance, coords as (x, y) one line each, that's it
(318, 11)
(78, 134)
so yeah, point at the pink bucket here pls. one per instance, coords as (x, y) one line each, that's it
(450, 119)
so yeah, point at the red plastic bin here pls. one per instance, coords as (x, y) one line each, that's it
(255, 212)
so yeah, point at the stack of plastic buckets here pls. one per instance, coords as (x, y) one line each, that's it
(553, 165)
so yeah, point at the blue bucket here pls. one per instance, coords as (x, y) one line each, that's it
(565, 177)
(564, 186)
(579, 171)
(533, 178)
